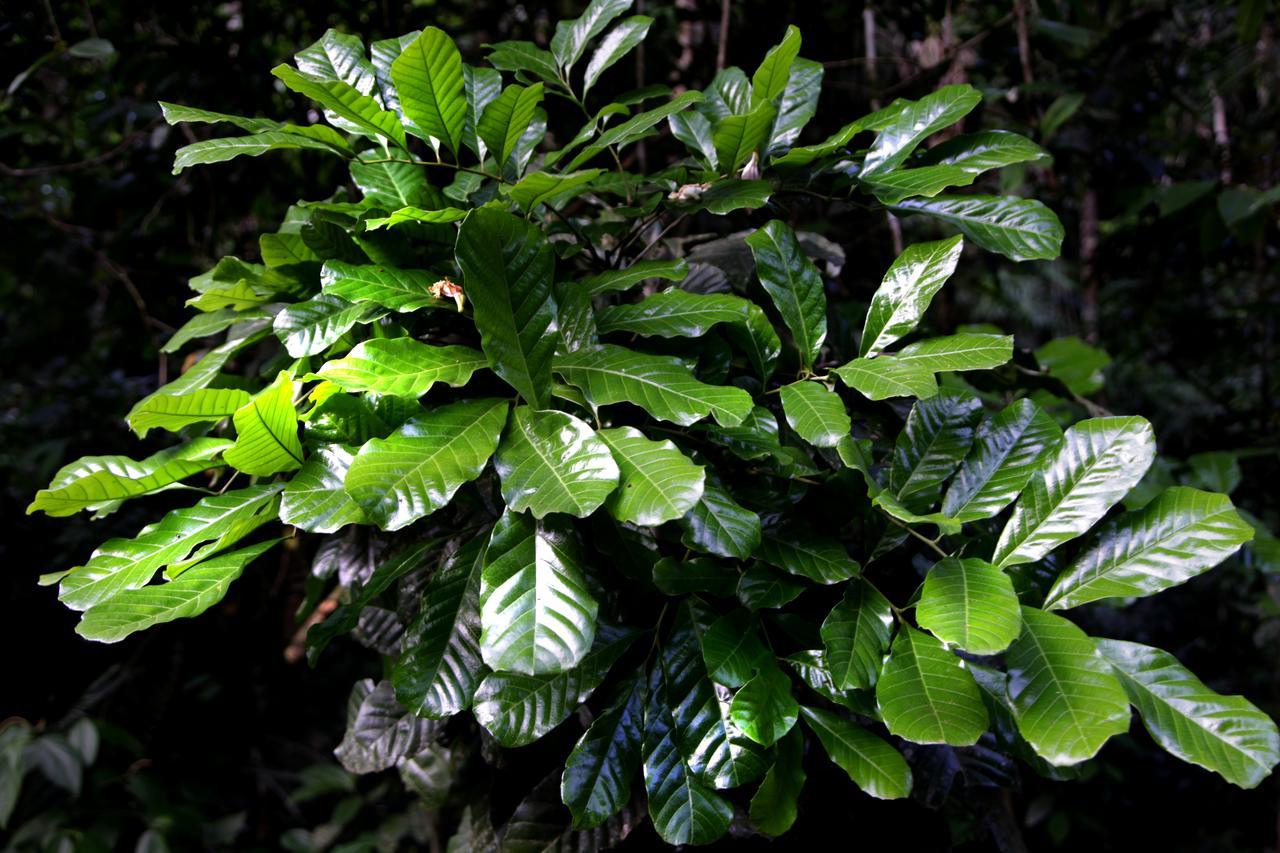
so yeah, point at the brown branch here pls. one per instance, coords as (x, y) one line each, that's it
(723, 47)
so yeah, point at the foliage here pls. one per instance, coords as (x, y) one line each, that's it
(478, 303)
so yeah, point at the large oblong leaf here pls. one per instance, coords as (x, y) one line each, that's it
(1021, 229)
(553, 462)
(508, 269)
(267, 439)
(970, 604)
(773, 808)
(764, 708)
(794, 284)
(597, 774)
(401, 367)
(675, 313)
(926, 695)
(572, 35)
(1006, 451)
(537, 615)
(937, 435)
(873, 765)
(1066, 700)
(507, 117)
(397, 289)
(906, 291)
(1225, 734)
(359, 112)
(428, 79)
(415, 471)
(855, 635)
(718, 524)
(617, 44)
(315, 499)
(174, 411)
(900, 135)
(819, 558)
(1098, 461)
(1179, 535)
(816, 413)
(658, 483)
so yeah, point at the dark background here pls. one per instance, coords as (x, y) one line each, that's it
(1162, 118)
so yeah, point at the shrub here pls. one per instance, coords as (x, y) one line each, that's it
(556, 454)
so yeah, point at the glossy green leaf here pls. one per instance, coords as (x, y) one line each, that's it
(360, 111)
(661, 385)
(762, 588)
(794, 285)
(938, 434)
(698, 574)
(925, 181)
(428, 78)
(755, 438)
(537, 615)
(1007, 450)
(620, 41)
(731, 646)
(773, 808)
(729, 194)
(968, 351)
(893, 507)
(658, 483)
(1097, 462)
(312, 326)
(338, 56)
(614, 281)
(919, 120)
(988, 149)
(508, 269)
(674, 313)
(764, 708)
(397, 289)
(906, 291)
(696, 132)
(1066, 699)
(1225, 734)
(1018, 228)
(1179, 535)
(415, 214)
(177, 113)
(855, 636)
(507, 117)
(798, 105)
(873, 765)
(598, 772)
(810, 665)
(718, 524)
(740, 136)
(969, 604)
(885, 376)
(820, 559)
(552, 462)
(190, 594)
(391, 185)
(518, 709)
(380, 734)
(538, 188)
(415, 471)
(926, 695)
(267, 439)
(441, 667)
(182, 537)
(634, 128)
(401, 367)
(572, 35)
(770, 79)
(816, 413)
(315, 500)
(527, 57)
(229, 147)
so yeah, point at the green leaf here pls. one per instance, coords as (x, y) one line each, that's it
(507, 117)
(885, 376)
(855, 636)
(182, 537)
(1225, 734)
(361, 111)
(508, 269)
(926, 695)
(397, 289)
(764, 708)
(1066, 700)
(190, 594)
(968, 351)
(572, 35)
(918, 121)
(613, 281)
(401, 367)
(1098, 460)
(755, 438)
(552, 462)
(773, 808)
(938, 434)
(392, 185)
(536, 613)
(811, 666)
(770, 79)
(926, 181)
(816, 413)
(416, 470)
(718, 524)
(728, 94)
(906, 291)
(1215, 471)
(837, 142)
(683, 809)
(696, 132)
(761, 588)
(312, 326)
(731, 646)
(989, 149)
(99, 483)
(428, 78)
(207, 324)
(697, 574)
(337, 56)
(873, 765)
(441, 667)
(819, 558)
(176, 113)
(1179, 535)
(538, 188)
(597, 774)
(1020, 229)
(729, 194)
(527, 57)
(634, 128)
(1007, 450)
(658, 483)
(481, 86)
(798, 105)
(379, 733)
(794, 285)
(315, 499)
(229, 147)
(894, 508)
(661, 385)
(969, 604)
(415, 214)
(620, 41)
(740, 135)
(267, 432)
(674, 313)
(1078, 365)
(519, 709)
(715, 748)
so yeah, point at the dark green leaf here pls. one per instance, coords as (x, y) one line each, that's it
(794, 285)
(926, 695)
(1007, 449)
(873, 765)
(970, 604)
(855, 636)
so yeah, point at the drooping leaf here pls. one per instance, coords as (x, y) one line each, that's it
(1179, 535)
(267, 439)
(938, 434)
(657, 482)
(1007, 449)
(634, 128)
(1225, 734)
(415, 214)
(906, 291)
(970, 604)
(718, 524)
(926, 695)
(1018, 228)
(359, 111)
(794, 285)
(552, 462)
(509, 269)
(764, 708)
(397, 289)
(572, 35)
(873, 765)
(401, 367)
(816, 413)
(614, 281)
(415, 471)
(598, 772)
(380, 734)
(1066, 700)
(773, 808)
(661, 385)
(1098, 460)
(675, 313)
(177, 113)
(855, 636)
(428, 77)
(919, 120)
(988, 149)
(618, 43)
(537, 614)
(229, 147)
